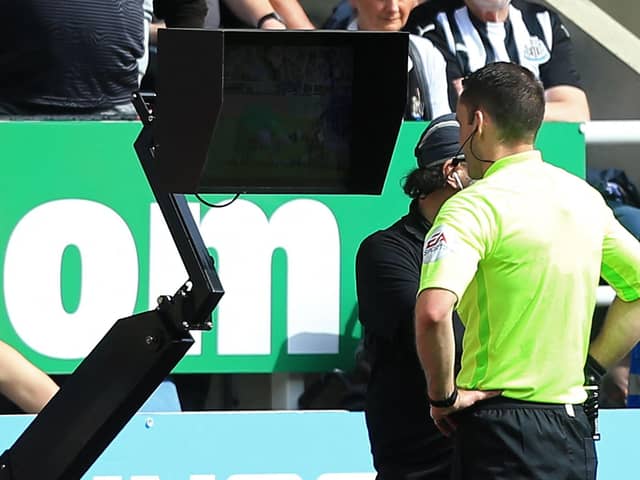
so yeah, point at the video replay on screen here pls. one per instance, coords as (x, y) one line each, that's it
(286, 118)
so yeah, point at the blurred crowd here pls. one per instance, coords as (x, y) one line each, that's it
(86, 57)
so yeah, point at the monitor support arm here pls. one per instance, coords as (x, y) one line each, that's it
(111, 384)
(204, 286)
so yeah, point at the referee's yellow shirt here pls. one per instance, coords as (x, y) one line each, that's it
(523, 250)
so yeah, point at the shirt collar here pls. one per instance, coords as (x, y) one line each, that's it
(505, 162)
(415, 223)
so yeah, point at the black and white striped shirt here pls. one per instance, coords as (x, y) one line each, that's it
(532, 36)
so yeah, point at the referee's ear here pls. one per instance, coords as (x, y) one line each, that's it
(479, 120)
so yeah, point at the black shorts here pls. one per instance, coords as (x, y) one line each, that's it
(438, 471)
(505, 439)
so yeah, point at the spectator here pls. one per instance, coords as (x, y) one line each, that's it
(404, 442)
(22, 383)
(342, 14)
(473, 33)
(427, 91)
(74, 57)
(161, 14)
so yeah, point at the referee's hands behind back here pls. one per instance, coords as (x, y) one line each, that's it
(466, 398)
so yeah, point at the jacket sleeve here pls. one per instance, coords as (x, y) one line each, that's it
(387, 275)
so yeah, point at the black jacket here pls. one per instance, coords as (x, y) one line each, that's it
(401, 432)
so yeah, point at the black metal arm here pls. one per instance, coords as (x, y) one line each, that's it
(132, 359)
(204, 286)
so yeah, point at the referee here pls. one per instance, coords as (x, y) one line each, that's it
(519, 254)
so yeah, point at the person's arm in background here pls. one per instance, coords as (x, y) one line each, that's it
(294, 15)
(619, 333)
(620, 330)
(566, 103)
(22, 382)
(153, 31)
(251, 11)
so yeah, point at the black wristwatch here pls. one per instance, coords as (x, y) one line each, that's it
(447, 402)
(268, 16)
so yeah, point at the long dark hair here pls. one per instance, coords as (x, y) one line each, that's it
(423, 181)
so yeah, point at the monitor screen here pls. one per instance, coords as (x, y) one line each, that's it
(286, 119)
(280, 111)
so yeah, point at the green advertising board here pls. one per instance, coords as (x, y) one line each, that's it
(82, 244)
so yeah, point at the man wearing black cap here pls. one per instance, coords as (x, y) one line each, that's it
(405, 443)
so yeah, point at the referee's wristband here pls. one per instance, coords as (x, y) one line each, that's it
(447, 402)
(269, 16)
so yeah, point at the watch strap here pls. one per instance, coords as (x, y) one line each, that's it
(444, 403)
(269, 16)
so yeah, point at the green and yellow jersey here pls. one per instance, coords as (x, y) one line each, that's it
(523, 250)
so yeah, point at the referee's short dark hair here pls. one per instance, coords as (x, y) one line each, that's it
(511, 95)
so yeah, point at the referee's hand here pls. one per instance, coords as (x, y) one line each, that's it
(465, 399)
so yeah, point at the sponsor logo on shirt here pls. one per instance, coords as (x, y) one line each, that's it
(536, 51)
(436, 245)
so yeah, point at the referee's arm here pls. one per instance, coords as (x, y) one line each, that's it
(435, 345)
(620, 330)
(435, 340)
(619, 333)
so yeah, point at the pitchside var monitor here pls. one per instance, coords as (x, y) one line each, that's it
(253, 111)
